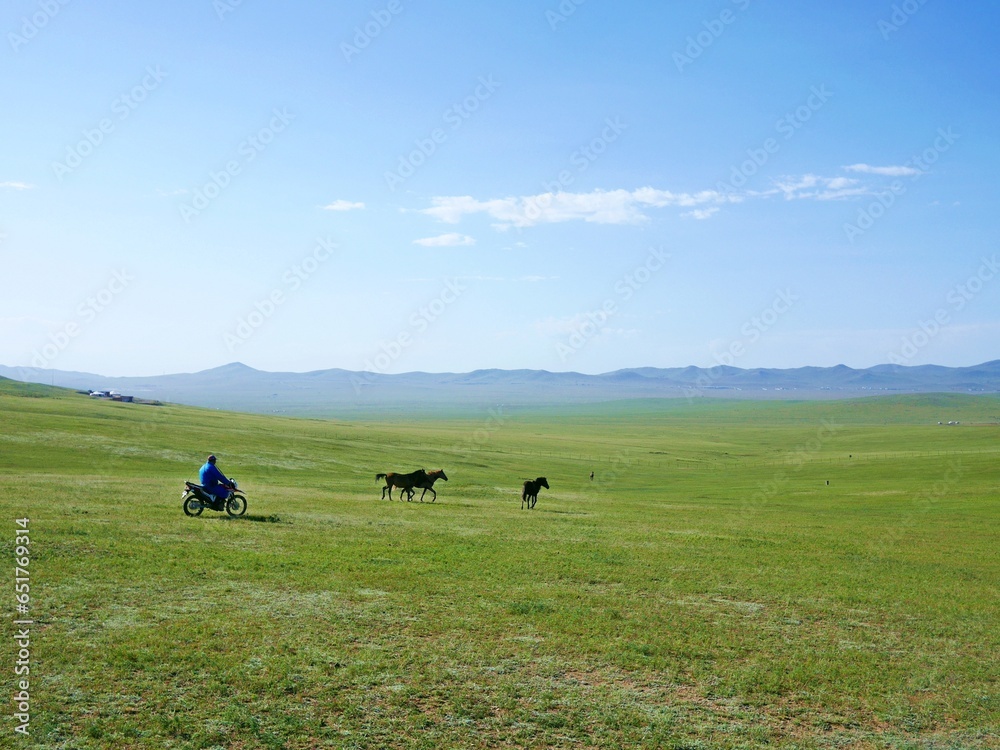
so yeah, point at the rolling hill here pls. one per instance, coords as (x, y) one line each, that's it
(342, 392)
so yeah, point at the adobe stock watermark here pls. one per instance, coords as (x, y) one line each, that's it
(924, 502)
(620, 465)
(563, 11)
(750, 333)
(86, 313)
(900, 16)
(795, 459)
(713, 29)
(419, 322)
(786, 126)
(224, 7)
(122, 106)
(917, 166)
(454, 117)
(593, 323)
(291, 281)
(22, 622)
(581, 159)
(957, 298)
(369, 30)
(31, 26)
(249, 149)
(495, 420)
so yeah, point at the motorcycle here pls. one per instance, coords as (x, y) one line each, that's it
(196, 499)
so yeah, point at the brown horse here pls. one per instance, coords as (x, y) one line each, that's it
(428, 484)
(529, 494)
(405, 482)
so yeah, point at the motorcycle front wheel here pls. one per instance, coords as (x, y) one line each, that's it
(192, 506)
(236, 505)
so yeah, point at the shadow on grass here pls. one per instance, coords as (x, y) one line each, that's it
(254, 518)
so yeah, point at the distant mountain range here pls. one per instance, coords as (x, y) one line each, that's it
(341, 392)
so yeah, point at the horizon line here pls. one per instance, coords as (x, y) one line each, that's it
(716, 366)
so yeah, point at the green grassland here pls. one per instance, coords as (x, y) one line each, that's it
(737, 575)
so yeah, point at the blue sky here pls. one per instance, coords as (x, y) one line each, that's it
(444, 186)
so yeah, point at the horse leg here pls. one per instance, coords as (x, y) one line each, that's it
(434, 493)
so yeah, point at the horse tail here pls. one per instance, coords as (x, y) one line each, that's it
(379, 476)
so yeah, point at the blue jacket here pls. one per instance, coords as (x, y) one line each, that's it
(210, 477)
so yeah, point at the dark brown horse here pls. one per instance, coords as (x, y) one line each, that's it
(428, 484)
(529, 494)
(405, 482)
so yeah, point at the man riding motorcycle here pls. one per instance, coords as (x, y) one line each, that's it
(214, 481)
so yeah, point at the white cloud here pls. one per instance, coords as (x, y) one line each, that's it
(563, 326)
(508, 279)
(14, 185)
(342, 205)
(633, 206)
(593, 325)
(452, 239)
(599, 206)
(891, 171)
(171, 193)
(815, 187)
(516, 246)
(702, 213)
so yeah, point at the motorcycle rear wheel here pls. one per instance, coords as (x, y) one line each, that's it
(193, 506)
(236, 505)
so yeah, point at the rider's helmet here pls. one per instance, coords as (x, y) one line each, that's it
(211, 459)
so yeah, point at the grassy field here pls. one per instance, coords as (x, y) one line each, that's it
(737, 575)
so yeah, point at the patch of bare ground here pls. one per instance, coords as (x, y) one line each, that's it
(787, 719)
